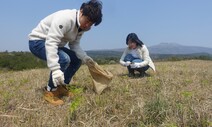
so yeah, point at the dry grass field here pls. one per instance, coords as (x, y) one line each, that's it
(178, 95)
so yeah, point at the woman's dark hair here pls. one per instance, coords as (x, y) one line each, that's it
(134, 38)
(93, 10)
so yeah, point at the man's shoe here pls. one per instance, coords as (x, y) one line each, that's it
(52, 97)
(63, 91)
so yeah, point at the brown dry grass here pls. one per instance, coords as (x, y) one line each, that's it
(179, 94)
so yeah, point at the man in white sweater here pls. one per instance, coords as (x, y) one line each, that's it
(47, 41)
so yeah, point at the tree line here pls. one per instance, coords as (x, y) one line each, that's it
(26, 60)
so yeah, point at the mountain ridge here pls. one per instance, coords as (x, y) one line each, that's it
(168, 48)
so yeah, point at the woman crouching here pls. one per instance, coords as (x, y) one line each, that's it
(136, 56)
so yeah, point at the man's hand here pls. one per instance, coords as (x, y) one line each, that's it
(58, 78)
(88, 60)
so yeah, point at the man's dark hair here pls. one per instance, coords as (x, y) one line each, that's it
(93, 10)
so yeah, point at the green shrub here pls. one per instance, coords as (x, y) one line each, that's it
(20, 61)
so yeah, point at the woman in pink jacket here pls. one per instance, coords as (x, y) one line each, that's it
(136, 56)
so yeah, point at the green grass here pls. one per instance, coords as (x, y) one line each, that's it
(179, 94)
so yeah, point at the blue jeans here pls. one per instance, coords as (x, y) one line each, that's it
(130, 58)
(69, 62)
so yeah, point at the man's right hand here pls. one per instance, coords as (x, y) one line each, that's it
(57, 77)
(88, 61)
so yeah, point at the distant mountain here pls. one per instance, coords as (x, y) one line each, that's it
(173, 48)
(167, 48)
(159, 52)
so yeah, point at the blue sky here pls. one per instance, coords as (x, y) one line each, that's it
(186, 22)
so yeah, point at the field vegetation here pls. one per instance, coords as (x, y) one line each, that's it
(26, 60)
(179, 94)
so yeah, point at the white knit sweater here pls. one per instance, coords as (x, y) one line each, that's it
(143, 53)
(59, 29)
